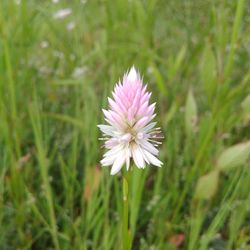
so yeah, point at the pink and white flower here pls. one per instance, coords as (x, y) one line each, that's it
(131, 133)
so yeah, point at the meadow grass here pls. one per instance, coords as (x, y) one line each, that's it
(55, 76)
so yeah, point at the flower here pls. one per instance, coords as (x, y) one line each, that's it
(62, 13)
(131, 132)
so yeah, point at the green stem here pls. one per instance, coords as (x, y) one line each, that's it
(125, 223)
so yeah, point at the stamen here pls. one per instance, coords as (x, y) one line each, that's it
(103, 138)
(157, 137)
(156, 142)
(155, 132)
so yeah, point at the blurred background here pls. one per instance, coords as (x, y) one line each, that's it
(59, 61)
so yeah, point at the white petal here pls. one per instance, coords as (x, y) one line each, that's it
(111, 143)
(141, 123)
(111, 155)
(152, 159)
(132, 74)
(118, 164)
(148, 146)
(127, 158)
(152, 117)
(148, 127)
(144, 156)
(138, 157)
(115, 150)
(107, 161)
(106, 129)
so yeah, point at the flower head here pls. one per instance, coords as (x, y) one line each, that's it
(131, 133)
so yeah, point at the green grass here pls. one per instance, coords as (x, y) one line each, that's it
(53, 83)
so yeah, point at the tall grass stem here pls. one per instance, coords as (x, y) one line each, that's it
(125, 223)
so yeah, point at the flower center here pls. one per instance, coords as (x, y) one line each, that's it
(130, 136)
(126, 137)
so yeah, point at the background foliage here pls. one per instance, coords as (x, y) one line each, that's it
(56, 71)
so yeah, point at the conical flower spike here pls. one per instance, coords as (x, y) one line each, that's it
(131, 133)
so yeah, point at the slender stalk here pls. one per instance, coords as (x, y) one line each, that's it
(234, 37)
(125, 223)
(41, 156)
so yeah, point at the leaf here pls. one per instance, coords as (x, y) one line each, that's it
(246, 104)
(65, 118)
(180, 57)
(190, 113)
(207, 185)
(234, 156)
(175, 65)
(92, 182)
(159, 79)
(208, 71)
(171, 112)
(125, 189)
